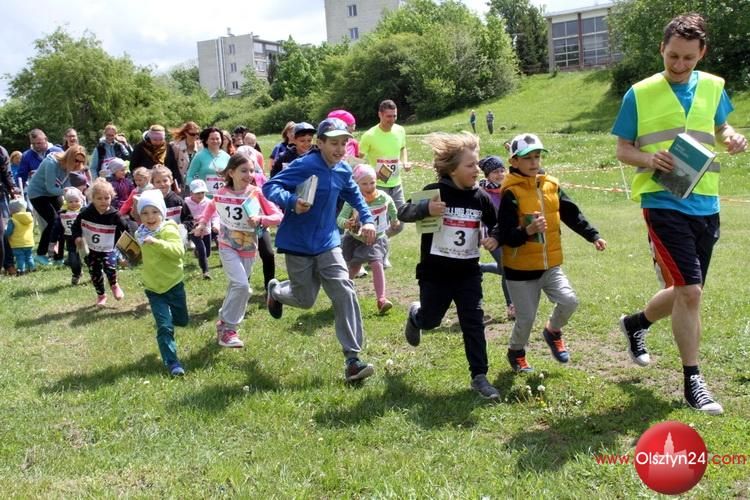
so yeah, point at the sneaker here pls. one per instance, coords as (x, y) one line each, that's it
(58, 263)
(481, 385)
(384, 305)
(11, 270)
(556, 345)
(699, 398)
(357, 369)
(229, 338)
(75, 280)
(636, 344)
(517, 360)
(275, 308)
(207, 276)
(117, 292)
(42, 259)
(387, 263)
(101, 300)
(362, 273)
(176, 369)
(510, 311)
(411, 332)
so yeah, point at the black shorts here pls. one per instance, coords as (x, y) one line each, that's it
(681, 245)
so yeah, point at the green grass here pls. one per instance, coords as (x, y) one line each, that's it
(88, 409)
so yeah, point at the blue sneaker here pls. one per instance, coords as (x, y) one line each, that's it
(176, 369)
(58, 263)
(42, 259)
(556, 345)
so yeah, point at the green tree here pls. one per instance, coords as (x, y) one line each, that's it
(256, 88)
(527, 28)
(186, 79)
(638, 27)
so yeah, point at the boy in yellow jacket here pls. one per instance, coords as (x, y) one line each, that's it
(20, 234)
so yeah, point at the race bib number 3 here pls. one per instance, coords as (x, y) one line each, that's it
(98, 237)
(457, 239)
(231, 213)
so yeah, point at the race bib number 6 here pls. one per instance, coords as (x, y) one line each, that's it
(98, 237)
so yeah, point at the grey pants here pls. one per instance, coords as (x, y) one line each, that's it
(306, 275)
(526, 295)
(238, 270)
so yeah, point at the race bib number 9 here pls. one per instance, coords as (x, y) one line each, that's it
(231, 213)
(458, 238)
(214, 183)
(98, 237)
(67, 219)
(386, 167)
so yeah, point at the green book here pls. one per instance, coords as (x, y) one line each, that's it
(428, 224)
(691, 161)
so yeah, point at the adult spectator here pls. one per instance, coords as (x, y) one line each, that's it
(32, 157)
(490, 122)
(682, 232)
(185, 145)
(111, 145)
(384, 147)
(210, 162)
(473, 121)
(238, 135)
(46, 190)
(6, 194)
(70, 138)
(154, 150)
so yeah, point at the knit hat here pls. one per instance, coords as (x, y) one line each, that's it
(361, 171)
(490, 164)
(153, 198)
(72, 194)
(16, 206)
(343, 115)
(78, 179)
(115, 165)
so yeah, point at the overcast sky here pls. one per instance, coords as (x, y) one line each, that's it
(164, 33)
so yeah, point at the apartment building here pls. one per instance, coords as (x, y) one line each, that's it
(352, 19)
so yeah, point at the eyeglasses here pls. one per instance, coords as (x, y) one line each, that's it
(194, 134)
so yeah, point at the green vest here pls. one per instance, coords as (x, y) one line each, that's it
(661, 117)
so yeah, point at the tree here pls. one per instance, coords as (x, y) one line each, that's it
(638, 27)
(186, 78)
(256, 88)
(527, 27)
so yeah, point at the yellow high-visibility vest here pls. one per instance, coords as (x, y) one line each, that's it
(661, 117)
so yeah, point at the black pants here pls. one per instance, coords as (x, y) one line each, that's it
(73, 258)
(47, 208)
(265, 249)
(466, 293)
(202, 249)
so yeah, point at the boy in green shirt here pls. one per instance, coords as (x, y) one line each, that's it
(162, 251)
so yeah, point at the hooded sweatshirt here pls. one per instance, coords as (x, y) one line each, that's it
(20, 230)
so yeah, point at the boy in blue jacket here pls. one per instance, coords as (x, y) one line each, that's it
(310, 240)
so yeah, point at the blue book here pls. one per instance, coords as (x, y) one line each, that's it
(691, 161)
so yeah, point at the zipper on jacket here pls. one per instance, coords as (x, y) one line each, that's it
(540, 196)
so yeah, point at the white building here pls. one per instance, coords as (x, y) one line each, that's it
(222, 60)
(351, 19)
(580, 38)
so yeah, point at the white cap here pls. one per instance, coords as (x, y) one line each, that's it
(153, 198)
(198, 186)
(523, 144)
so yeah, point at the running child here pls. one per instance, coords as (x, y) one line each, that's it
(99, 226)
(177, 210)
(20, 234)
(197, 203)
(354, 249)
(238, 240)
(162, 252)
(448, 269)
(532, 207)
(74, 201)
(310, 240)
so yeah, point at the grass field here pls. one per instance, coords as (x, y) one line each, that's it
(88, 410)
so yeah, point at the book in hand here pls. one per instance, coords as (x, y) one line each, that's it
(431, 224)
(691, 159)
(306, 190)
(251, 207)
(129, 247)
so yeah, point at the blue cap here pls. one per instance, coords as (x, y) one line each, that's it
(333, 127)
(303, 127)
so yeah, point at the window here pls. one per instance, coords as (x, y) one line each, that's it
(258, 47)
(235, 86)
(231, 48)
(233, 67)
(354, 33)
(565, 44)
(261, 66)
(352, 10)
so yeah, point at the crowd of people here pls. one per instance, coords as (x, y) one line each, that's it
(336, 202)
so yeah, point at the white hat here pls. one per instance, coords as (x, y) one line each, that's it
(153, 198)
(523, 144)
(198, 186)
(115, 164)
(72, 194)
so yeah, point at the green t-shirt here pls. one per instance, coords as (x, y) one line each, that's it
(381, 207)
(382, 150)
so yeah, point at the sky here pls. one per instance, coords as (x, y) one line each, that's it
(162, 34)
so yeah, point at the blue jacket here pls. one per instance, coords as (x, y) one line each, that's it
(315, 231)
